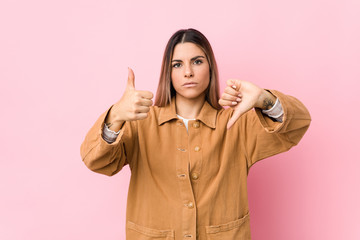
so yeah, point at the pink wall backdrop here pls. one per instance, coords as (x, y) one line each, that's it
(62, 63)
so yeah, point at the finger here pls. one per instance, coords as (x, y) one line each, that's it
(145, 94)
(229, 97)
(141, 109)
(233, 119)
(131, 79)
(140, 116)
(234, 83)
(146, 102)
(224, 103)
(232, 91)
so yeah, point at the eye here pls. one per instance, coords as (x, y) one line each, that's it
(197, 62)
(176, 65)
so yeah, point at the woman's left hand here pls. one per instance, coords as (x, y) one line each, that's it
(243, 96)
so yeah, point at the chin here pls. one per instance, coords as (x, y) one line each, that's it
(192, 96)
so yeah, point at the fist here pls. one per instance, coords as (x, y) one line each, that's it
(134, 104)
(241, 96)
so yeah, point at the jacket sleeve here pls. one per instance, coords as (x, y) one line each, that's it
(265, 137)
(102, 157)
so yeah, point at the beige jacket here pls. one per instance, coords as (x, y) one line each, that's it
(192, 185)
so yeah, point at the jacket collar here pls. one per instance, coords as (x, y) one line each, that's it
(207, 114)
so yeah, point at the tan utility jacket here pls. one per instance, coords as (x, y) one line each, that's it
(192, 185)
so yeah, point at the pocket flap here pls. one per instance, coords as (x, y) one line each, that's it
(149, 231)
(227, 226)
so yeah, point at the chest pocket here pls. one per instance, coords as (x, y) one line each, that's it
(137, 232)
(238, 229)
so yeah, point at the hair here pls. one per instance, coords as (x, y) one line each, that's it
(165, 90)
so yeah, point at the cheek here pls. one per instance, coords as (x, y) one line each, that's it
(205, 75)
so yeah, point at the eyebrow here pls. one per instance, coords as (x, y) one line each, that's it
(194, 58)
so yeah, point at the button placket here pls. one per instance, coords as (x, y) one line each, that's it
(190, 205)
(189, 211)
(180, 122)
(194, 176)
(195, 153)
(181, 149)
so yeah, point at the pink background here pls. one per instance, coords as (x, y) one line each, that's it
(63, 63)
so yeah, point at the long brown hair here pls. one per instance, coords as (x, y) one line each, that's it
(165, 89)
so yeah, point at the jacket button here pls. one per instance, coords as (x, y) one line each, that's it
(197, 148)
(196, 125)
(190, 205)
(194, 176)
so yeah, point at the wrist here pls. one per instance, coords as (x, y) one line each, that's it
(115, 115)
(112, 121)
(115, 126)
(266, 100)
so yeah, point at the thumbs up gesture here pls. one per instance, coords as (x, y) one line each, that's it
(133, 105)
(243, 96)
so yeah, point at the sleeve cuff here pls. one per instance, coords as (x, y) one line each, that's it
(269, 124)
(109, 135)
(276, 111)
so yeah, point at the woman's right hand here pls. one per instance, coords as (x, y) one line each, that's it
(133, 105)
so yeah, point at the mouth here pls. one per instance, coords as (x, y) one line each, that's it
(189, 84)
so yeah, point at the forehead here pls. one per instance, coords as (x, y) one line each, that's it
(187, 51)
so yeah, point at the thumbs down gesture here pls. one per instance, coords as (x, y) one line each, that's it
(243, 96)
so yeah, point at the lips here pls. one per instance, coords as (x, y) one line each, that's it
(190, 84)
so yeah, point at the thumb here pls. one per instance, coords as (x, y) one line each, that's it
(233, 119)
(131, 79)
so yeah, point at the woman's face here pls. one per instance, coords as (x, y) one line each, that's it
(190, 74)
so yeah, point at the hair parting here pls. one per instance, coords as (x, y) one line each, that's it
(165, 90)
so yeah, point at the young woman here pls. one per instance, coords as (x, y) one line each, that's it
(189, 157)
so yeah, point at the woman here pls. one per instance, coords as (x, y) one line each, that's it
(189, 157)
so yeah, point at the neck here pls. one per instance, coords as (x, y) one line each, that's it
(189, 108)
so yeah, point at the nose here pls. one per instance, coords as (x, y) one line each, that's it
(188, 72)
